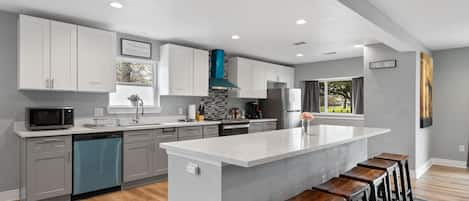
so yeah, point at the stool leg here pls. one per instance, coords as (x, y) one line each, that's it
(409, 181)
(396, 185)
(374, 193)
(387, 187)
(403, 188)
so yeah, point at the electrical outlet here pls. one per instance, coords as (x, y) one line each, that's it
(98, 111)
(324, 178)
(180, 111)
(462, 148)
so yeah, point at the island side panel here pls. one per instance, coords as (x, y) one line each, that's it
(283, 179)
(183, 186)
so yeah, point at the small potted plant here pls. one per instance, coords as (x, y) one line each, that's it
(306, 119)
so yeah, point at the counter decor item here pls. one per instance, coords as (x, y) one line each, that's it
(306, 119)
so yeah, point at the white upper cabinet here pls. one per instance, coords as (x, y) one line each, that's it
(34, 53)
(183, 71)
(96, 53)
(201, 73)
(252, 76)
(64, 57)
(63, 63)
(249, 76)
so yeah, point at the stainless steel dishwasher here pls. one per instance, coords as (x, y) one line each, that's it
(97, 164)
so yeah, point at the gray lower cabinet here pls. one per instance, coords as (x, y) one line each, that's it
(210, 131)
(47, 167)
(190, 133)
(138, 158)
(143, 157)
(160, 158)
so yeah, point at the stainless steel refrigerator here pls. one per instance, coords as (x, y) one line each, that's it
(283, 104)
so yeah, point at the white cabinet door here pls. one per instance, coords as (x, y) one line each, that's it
(63, 56)
(244, 77)
(258, 81)
(290, 77)
(34, 53)
(201, 73)
(181, 70)
(96, 71)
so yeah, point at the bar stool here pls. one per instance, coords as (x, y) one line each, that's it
(374, 177)
(391, 169)
(350, 189)
(403, 163)
(315, 195)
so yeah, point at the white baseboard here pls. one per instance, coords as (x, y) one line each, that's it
(449, 163)
(11, 195)
(420, 171)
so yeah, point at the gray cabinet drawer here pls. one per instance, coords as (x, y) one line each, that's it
(140, 136)
(190, 132)
(210, 131)
(256, 127)
(168, 132)
(269, 126)
(189, 138)
(49, 144)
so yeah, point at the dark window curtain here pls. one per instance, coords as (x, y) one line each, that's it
(357, 95)
(311, 96)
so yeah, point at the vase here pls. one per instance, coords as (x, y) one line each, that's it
(306, 126)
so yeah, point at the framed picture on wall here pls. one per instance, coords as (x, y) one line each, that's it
(426, 88)
(135, 48)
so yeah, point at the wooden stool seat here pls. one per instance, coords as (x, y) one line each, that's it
(315, 195)
(365, 174)
(379, 164)
(345, 187)
(393, 157)
(391, 168)
(374, 177)
(403, 164)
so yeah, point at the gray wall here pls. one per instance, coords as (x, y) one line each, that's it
(390, 101)
(13, 102)
(350, 67)
(450, 103)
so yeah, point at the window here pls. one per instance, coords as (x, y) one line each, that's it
(134, 76)
(335, 96)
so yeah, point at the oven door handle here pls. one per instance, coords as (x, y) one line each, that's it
(235, 126)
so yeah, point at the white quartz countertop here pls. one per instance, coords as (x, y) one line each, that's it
(21, 131)
(259, 148)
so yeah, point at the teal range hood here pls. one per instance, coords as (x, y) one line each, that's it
(217, 72)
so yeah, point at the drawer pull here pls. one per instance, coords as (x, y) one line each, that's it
(49, 141)
(169, 130)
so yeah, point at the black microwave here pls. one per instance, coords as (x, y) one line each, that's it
(49, 118)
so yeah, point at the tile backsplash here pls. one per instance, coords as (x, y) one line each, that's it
(216, 104)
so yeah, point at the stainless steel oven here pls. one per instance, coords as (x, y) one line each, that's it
(49, 118)
(234, 127)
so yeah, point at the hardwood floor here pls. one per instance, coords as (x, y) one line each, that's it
(438, 184)
(443, 184)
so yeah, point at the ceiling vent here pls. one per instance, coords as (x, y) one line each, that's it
(330, 53)
(299, 43)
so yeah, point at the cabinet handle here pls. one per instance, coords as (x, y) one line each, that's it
(47, 83)
(52, 83)
(49, 141)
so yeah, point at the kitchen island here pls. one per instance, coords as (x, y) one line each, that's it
(272, 165)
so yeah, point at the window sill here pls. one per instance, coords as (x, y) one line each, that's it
(131, 110)
(356, 117)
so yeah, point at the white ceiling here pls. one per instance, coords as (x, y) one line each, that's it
(438, 24)
(267, 27)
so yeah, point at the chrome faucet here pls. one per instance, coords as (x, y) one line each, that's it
(136, 101)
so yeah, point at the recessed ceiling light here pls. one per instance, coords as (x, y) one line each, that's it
(235, 37)
(116, 4)
(301, 21)
(299, 55)
(359, 46)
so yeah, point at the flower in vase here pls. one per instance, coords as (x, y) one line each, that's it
(307, 116)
